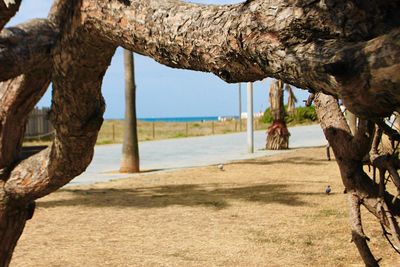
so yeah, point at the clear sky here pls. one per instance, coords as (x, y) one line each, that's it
(163, 91)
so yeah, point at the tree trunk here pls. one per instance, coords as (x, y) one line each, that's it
(130, 148)
(291, 105)
(350, 153)
(348, 49)
(12, 223)
(277, 133)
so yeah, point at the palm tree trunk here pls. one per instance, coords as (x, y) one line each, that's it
(278, 134)
(130, 148)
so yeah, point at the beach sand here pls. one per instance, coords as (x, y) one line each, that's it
(269, 211)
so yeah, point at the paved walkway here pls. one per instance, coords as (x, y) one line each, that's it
(192, 151)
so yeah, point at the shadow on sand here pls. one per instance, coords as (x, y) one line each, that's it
(207, 195)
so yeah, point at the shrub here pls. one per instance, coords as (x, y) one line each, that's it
(302, 115)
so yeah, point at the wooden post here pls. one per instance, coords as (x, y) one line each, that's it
(212, 127)
(154, 130)
(235, 125)
(187, 129)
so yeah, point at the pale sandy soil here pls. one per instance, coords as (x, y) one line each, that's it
(265, 212)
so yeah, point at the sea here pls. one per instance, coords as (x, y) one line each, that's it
(187, 119)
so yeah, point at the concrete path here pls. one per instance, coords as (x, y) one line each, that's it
(191, 152)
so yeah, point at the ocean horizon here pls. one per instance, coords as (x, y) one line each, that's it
(186, 119)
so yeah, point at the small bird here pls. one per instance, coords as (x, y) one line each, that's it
(328, 189)
(221, 167)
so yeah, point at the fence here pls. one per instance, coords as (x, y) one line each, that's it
(39, 125)
(112, 130)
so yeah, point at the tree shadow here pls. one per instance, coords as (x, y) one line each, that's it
(184, 195)
(287, 160)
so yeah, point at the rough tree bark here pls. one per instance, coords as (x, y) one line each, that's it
(278, 133)
(349, 49)
(130, 147)
(351, 153)
(292, 100)
(7, 11)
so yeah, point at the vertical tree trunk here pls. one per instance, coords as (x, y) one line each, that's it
(278, 134)
(291, 105)
(130, 148)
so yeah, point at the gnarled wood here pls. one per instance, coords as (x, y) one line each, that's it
(350, 152)
(26, 47)
(326, 46)
(18, 97)
(76, 115)
(349, 49)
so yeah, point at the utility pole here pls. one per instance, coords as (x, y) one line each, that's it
(250, 116)
(240, 106)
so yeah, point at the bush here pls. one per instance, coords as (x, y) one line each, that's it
(302, 115)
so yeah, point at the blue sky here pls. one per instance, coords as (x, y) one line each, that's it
(163, 91)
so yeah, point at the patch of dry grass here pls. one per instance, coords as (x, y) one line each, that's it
(264, 212)
(112, 130)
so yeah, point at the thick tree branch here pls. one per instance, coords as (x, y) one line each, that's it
(349, 153)
(25, 47)
(8, 11)
(77, 116)
(18, 96)
(357, 62)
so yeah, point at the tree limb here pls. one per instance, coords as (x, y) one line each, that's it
(248, 42)
(18, 96)
(7, 11)
(25, 47)
(77, 111)
(358, 236)
(349, 153)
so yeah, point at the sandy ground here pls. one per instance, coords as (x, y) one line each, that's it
(264, 212)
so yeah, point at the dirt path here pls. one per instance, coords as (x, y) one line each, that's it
(263, 212)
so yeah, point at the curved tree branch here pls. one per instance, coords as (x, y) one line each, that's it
(77, 112)
(247, 42)
(25, 47)
(350, 151)
(7, 11)
(18, 96)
